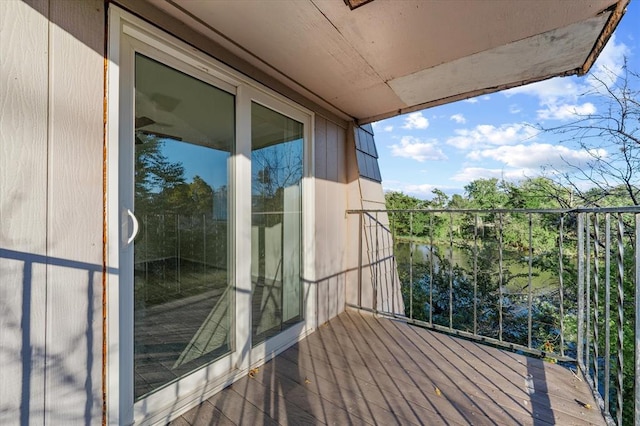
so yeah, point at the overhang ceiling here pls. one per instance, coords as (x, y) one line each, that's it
(386, 57)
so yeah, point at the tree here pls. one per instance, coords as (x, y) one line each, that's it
(610, 137)
(486, 194)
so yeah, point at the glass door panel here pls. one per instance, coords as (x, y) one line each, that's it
(276, 222)
(183, 302)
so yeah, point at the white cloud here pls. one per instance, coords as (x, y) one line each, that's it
(411, 147)
(458, 118)
(486, 134)
(537, 155)
(566, 111)
(549, 91)
(469, 174)
(609, 63)
(416, 120)
(514, 109)
(421, 191)
(471, 100)
(388, 129)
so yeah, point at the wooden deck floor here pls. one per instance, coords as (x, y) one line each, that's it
(358, 369)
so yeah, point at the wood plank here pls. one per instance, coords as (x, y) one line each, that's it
(299, 405)
(468, 384)
(361, 394)
(204, 414)
(358, 369)
(237, 409)
(75, 212)
(418, 387)
(488, 375)
(23, 208)
(360, 409)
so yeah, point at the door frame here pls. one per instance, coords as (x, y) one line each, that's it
(128, 35)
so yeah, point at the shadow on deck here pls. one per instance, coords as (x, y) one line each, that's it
(359, 369)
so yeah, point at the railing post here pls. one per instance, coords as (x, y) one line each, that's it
(475, 276)
(450, 270)
(580, 345)
(620, 322)
(596, 302)
(607, 311)
(587, 267)
(377, 268)
(530, 298)
(411, 265)
(500, 277)
(561, 277)
(361, 225)
(431, 268)
(637, 322)
(392, 257)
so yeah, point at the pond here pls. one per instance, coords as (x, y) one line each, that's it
(460, 285)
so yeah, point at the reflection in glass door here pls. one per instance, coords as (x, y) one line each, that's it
(183, 304)
(277, 168)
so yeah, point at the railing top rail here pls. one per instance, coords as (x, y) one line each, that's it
(625, 209)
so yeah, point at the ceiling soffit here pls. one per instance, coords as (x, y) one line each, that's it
(390, 57)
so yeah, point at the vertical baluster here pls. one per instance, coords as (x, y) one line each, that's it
(637, 322)
(376, 264)
(450, 270)
(607, 311)
(561, 276)
(360, 226)
(431, 280)
(204, 243)
(145, 229)
(580, 294)
(530, 298)
(500, 297)
(587, 268)
(178, 254)
(620, 321)
(596, 293)
(411, 265)
(391, 251)
(475, 276)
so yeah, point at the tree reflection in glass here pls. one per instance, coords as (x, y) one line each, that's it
(276, 178)
(183, 140)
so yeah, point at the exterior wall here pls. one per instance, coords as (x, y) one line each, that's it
(331, 223)
(370, 243)
(51, 211)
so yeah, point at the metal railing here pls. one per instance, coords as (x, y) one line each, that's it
(558, 284)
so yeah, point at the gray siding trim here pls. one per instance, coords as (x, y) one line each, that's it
(366, 153)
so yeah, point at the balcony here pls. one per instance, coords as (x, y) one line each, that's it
(467, 317)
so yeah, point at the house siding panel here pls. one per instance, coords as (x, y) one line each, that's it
(330, 221)
(51, 210)
(23, 184)
(75, 211)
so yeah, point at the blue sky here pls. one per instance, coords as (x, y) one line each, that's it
(447, 147)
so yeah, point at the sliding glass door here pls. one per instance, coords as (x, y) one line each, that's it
(277, 169)
(206, 171)
(183, 310)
